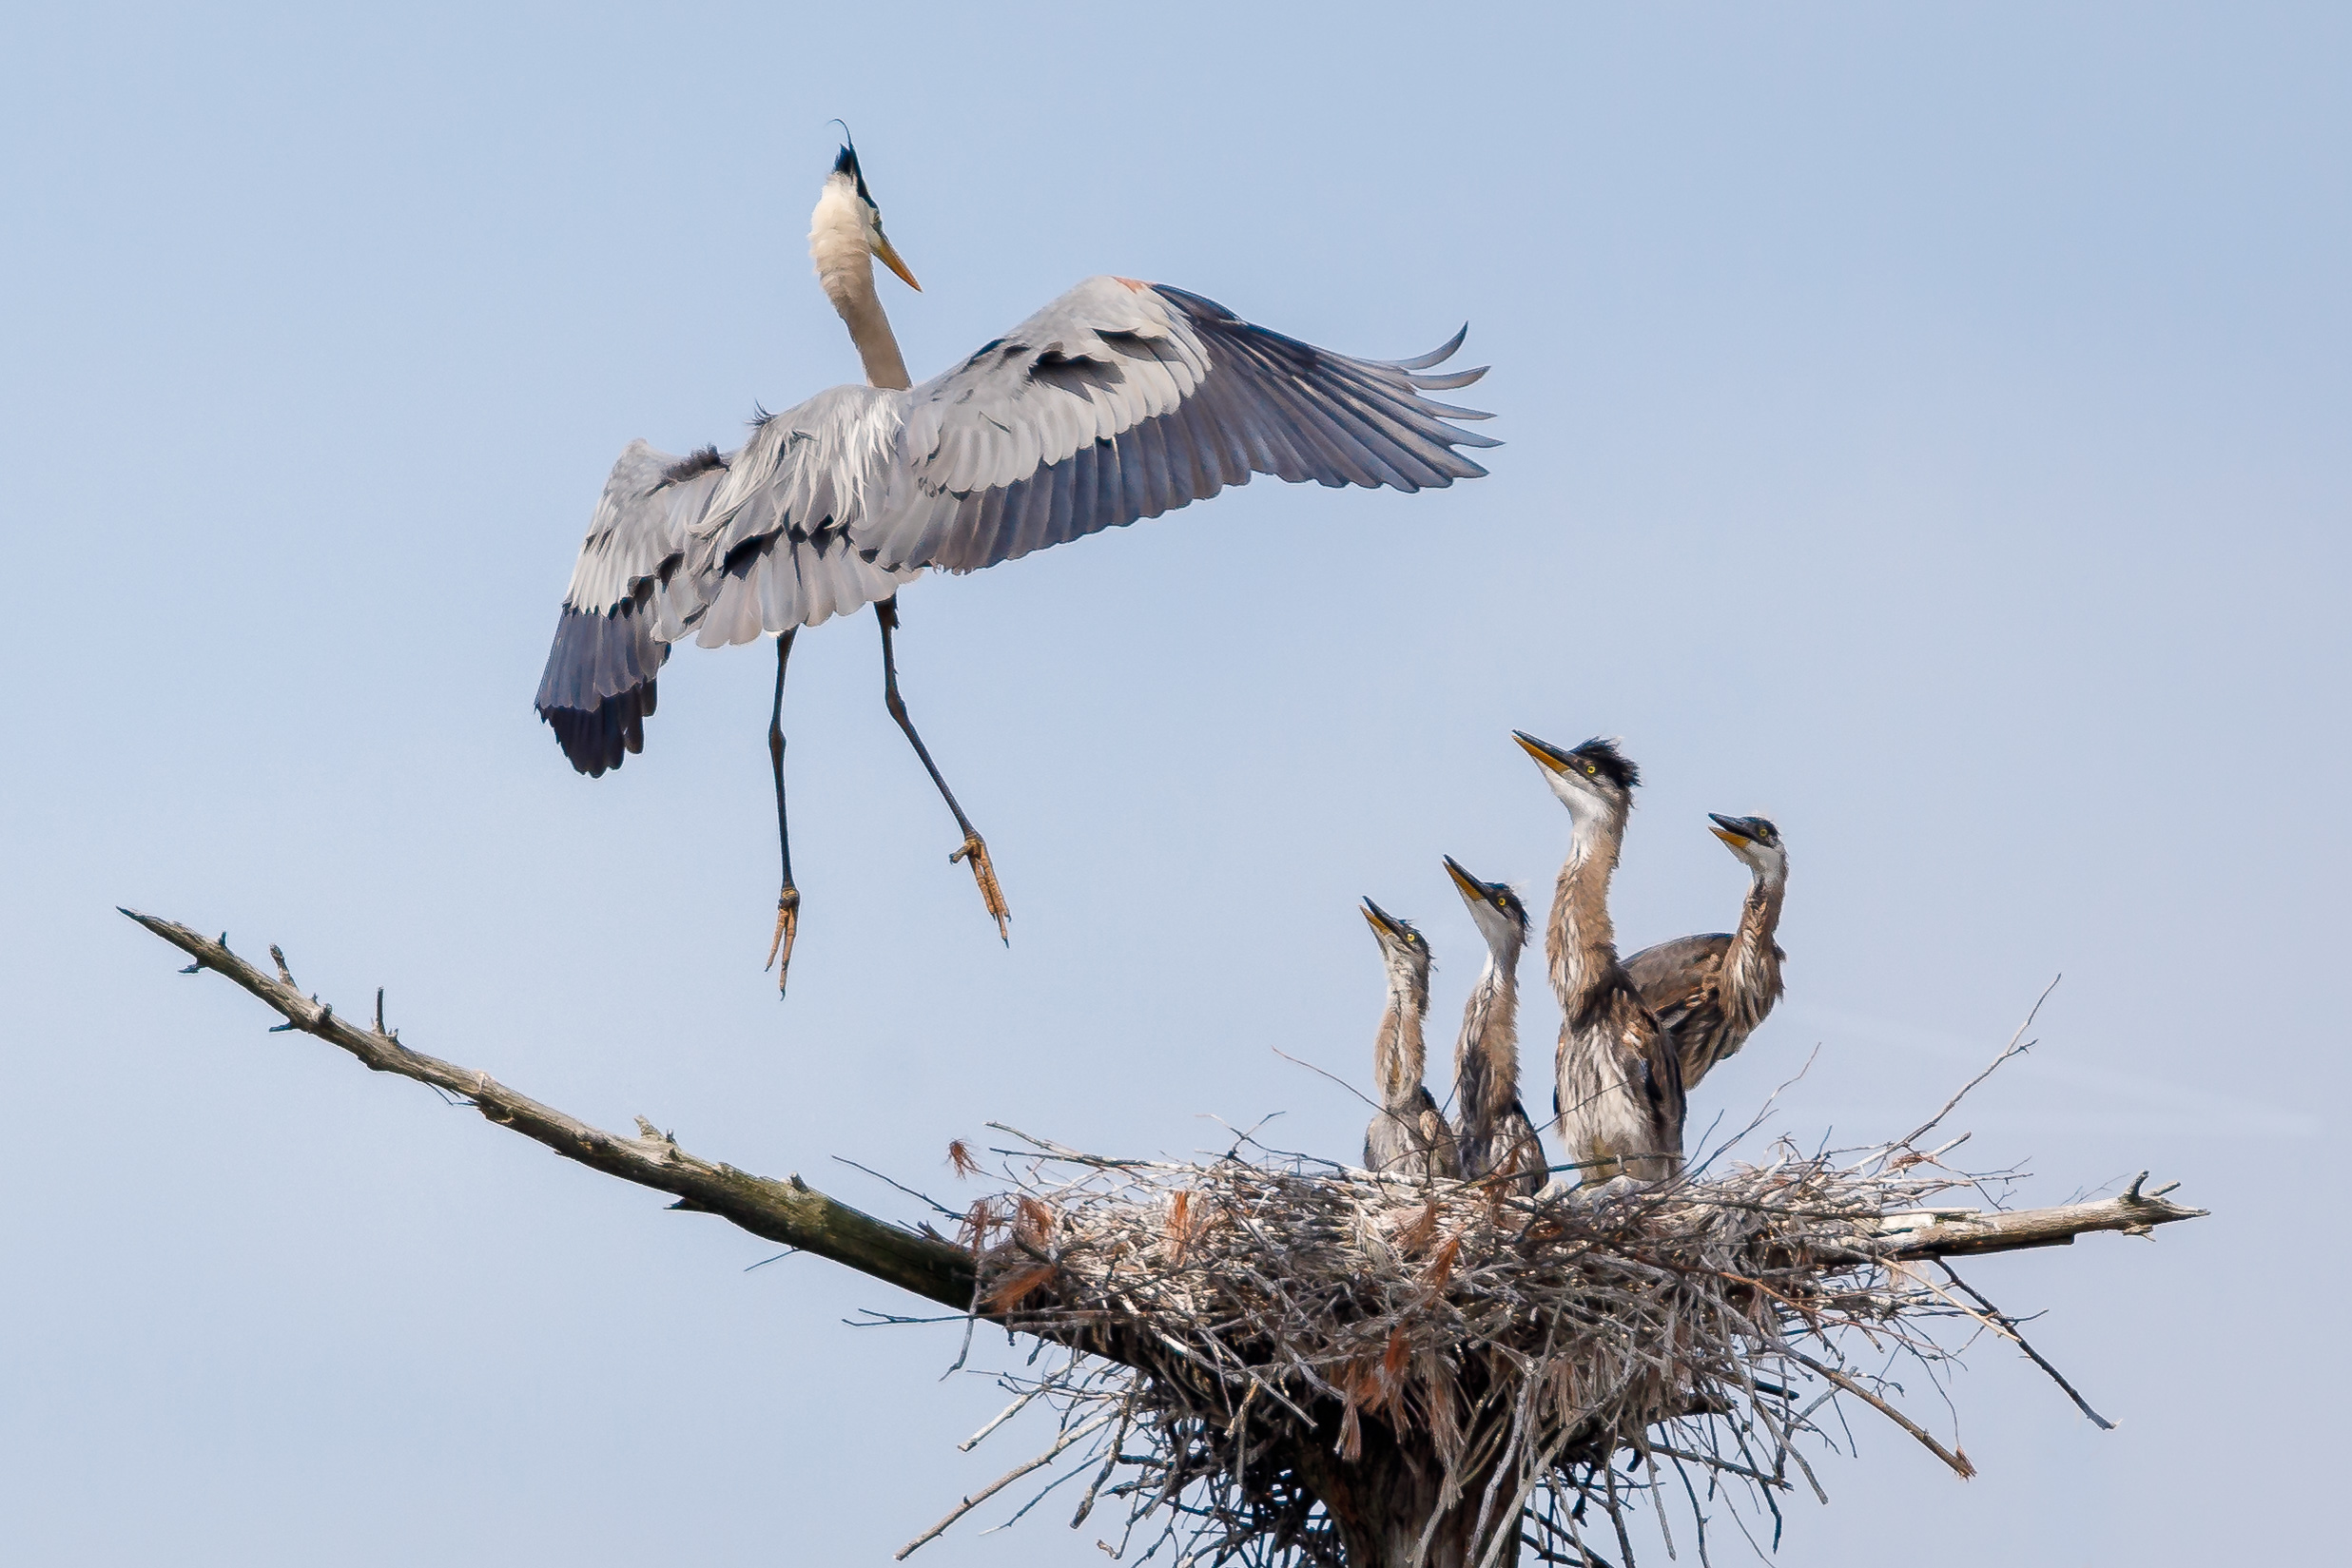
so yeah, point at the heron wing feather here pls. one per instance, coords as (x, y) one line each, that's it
(722, 547)
(1124, 401)
(774, 548)
(1681, 982)
(628, 600)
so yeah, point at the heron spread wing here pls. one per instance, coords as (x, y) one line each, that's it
(1123, 401)
(628, 599)
(1119, 401)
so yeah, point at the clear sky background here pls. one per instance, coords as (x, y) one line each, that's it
(1927, 426)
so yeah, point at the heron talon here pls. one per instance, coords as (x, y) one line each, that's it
(787, 929)
(991, 893)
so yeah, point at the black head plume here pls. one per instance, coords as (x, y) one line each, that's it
(1613, 765)
(848, 163)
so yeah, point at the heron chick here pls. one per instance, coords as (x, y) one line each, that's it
(1491, 1125)
(1712, 990)
(1407, 1134)
(1618, 1081)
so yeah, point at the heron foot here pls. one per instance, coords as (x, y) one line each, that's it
(991, 893)
(787, 928)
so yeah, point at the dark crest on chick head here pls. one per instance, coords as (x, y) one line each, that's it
(1614, 764)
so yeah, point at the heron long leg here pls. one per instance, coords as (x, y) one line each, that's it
(974, 849)
(789, 897)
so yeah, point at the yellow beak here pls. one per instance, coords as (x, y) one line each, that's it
(1381, 921)
(1462, 879)
(890, 258)
(1549, 756)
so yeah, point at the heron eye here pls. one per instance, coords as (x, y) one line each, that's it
(1589, 770)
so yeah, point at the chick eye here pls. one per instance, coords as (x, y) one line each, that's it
(1589, 770)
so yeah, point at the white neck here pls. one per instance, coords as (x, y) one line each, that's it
(846, 271)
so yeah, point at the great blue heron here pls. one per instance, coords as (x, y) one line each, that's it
(1712, 990)
(1407, 1134)
(1121, 399)
(1490, 1123)
(1619, 1084)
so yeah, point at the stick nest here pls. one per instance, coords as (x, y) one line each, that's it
(1235, 1326)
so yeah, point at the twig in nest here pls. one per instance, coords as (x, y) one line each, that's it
(2011, 1049)
(976, 1499)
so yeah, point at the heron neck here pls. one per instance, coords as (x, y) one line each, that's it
(1752, 964)
(846, 271)
(1579, 943)
(1485, 1062)
(1399, 1055)
(878, 346)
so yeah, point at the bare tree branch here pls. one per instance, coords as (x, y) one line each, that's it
(789, 1211)
(1955, 1232)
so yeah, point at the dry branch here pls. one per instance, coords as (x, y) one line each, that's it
(789, 1211)
(1953, 1234)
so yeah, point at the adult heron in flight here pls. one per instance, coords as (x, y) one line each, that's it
(1121, 399)
(1618, 1082)
(1712, 990)
(1407, 1134)
(1490, 1124)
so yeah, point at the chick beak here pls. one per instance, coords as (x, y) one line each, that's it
(1379, 920)
(1545, 754)
(892, 259)
(1729, 831)
(1472, 887)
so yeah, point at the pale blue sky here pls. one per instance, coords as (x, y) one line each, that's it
(1927, 427)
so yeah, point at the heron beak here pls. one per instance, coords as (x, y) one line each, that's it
(1472, 887)
(1380, 920)
(892, 259)
(1730, 829)
(1545, 754)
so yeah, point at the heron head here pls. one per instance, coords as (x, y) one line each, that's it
(1755, 840)
(845, 189)
(1496, 910)
(1402, 947)
(1594, 781)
